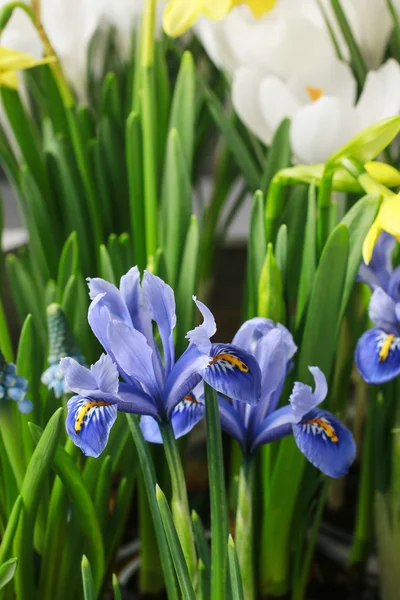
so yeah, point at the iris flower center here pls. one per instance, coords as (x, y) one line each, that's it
(83, 411)
(232, 360)
(385, 348)
(322, 426)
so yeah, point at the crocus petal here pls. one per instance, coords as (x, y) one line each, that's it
(161, 302)
(134, 355)
(382, 310)
(234, 373)
(245, 97)
(231, 421)
(377, 356)
(370, 240)
(89, 423)
(184, 376)
(201, 334)
(76, 376)
(326, 443)
(179, 16)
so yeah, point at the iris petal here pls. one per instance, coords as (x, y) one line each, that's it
(377, 273)
(377, 356)
(326, 443)
(185, 416)
(201, 334)
(184, 376)
(76, 376)
(382, 310)
(234, 373)
(89, 423)
(231, 421)
(105, 373)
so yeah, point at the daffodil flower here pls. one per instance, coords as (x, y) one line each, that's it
(12, 61)
(180, 15)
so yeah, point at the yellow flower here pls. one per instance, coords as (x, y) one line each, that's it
(180, 15)
(12, 61)
(387, 219)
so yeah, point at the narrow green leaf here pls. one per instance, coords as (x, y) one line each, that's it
(149, 125)
(279, 154)
(87, 580)
(175, 547)
(186, 286)
(281, 250)
(357, 59)
(218, 502)
(110, 100)
(106, 268)
(309, 260)
(271, 304)
(256, 253)
(116, 590)
(9, 533)
(7, 571)
(135, 181)
(182, 117)
(103, 491)
(234, 572)
(201, 543)
(68, 264)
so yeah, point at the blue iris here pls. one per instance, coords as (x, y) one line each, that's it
(135, 325)
(13, 386)
(377, 353)
(320, 436)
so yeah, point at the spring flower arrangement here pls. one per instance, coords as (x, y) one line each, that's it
(111, 119)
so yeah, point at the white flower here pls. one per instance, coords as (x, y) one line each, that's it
(321, 102)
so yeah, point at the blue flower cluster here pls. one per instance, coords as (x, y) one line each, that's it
(13, 387)
(136, 376)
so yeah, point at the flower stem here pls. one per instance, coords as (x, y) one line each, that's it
(218, 501)
(244, 526)
(179, 502)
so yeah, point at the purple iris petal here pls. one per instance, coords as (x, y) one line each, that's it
(184, 376)
(232, 422)
(201, 335)
(303, 399)
(89, 422)
(378, 272)
(393, 288)
(382, 311)
(234, 373)
(377, 356)
(325, 442)
(274, 427)
(78, 377)
(161, 302)
(184, 417)
(135, 400)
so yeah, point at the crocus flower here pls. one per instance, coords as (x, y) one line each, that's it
(180, 15)
(61, 344)
(377, 353)
(153, 382)
(13, 386)
(387, 219)
(320, 436)
(12, 61)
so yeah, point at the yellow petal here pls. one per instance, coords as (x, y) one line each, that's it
(385, 174)
(260, 7)
(9, 80)
(370, 240)
(216, 9)
(389, 215)
(11, 60)
(179, 16)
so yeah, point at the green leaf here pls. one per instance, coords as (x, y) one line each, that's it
(84, 509)
(357, 59)
(135, 183)
(281, 249)
(270, 290)
(116, 590)
(309, 259)
(358, 220)
(279, 154)
(234, 572)
(175, 547)
(176, 204)
(87, 580)
(103, 492)
(110, 100)
(7, 571)
(218, 501)
(68, 264)
(186, 286)
(31, 491)
(182, 116)
(201, 543)
(106, 268)
(256, 253)
(9, 533)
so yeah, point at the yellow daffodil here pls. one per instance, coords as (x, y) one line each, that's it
(12, 61)
(387, 219)
(180, 15)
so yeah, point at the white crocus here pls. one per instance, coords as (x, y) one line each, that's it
(320, 101)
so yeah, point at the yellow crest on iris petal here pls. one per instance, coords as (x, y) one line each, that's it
(180, 15)
(12, 61)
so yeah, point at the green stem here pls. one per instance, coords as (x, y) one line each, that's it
(6, 345)
(179, 501)
(244, 526)
(10, 434)
(273, 208)
(324, 204)
(364, 528)
(218, 501)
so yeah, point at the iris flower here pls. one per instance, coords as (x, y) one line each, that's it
(320, 436)
(377, 353)
(12, 61)
(153, 383)
(180, 15)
